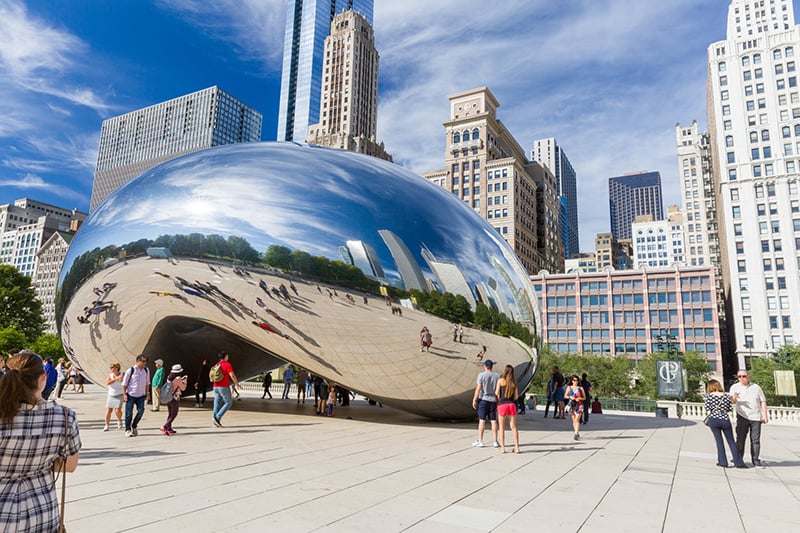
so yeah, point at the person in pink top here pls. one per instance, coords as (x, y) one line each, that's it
(178, 386)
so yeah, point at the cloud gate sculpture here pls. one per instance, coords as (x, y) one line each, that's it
(278, 252)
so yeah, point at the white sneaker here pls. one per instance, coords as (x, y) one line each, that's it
(119, 424)
(496, 444)
(477, 444)
(129, 434)
(105, 427)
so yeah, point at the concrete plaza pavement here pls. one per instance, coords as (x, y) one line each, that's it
(277, 466)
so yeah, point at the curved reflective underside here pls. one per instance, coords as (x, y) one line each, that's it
(279, 252)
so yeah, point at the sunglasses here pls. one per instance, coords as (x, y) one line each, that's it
(742, 376)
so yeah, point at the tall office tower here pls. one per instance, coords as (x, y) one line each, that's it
(489, 171)
(308, 23)
(659, 243)
(349, 103)
(631, 195)
(699, 200)
(753, 107)
(549, 152)
(139, 140)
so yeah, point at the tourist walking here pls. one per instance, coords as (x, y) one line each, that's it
(506, 393)
(577, 397)
(201, 384)
(484, 401)
(718, 405)
(751, 413)
(301, 384)
(178, 383)
(558, 393)
(61, 369)
(114, 396)
(587, 390)
(135, 386)
(52, 378)
(267, 383)
(34, 434)
(222, 390)
(155, 386)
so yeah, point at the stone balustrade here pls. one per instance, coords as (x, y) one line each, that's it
(782, 416)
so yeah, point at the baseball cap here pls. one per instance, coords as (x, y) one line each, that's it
(488, 363)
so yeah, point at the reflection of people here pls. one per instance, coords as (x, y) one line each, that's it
(485, 402)
(481, 353)
(506, 393)
(32, 436)
(718, 405)
(751, 412)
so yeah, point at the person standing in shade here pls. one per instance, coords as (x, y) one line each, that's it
(288, 376)
(718, 405)
(506, 393)
(135, 386)
(52, 378)
(201, 385)
(577, 397)
(751, 413)
(558, 393)
(301, 384)
(586, 385)
(179, 383)
(267, 384)
(485, 402)
(34, 433)
(550, 392)
(114, 396)
(155, 385)
(222, 389)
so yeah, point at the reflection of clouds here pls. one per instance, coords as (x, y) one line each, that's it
(307, 198)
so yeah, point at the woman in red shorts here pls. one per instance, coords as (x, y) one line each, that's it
(506, 393)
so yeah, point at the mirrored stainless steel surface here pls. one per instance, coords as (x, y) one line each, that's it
(277, 252)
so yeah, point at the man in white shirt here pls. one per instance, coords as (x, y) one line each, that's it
(751, 412)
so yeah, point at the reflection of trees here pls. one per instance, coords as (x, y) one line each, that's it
(319, 268)
(456, 309)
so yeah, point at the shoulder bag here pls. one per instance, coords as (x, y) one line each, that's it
(61, 468)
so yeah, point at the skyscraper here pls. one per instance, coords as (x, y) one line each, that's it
(349, 103)
(549, 152)
(753, 116)
(308, 23)
(139, 140)
(487, 168)
(632, 195)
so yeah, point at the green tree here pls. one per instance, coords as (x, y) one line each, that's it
(694, 364)
(11, 337)
(762, 372)
(49, 345)
(610, 375)
(18, 303)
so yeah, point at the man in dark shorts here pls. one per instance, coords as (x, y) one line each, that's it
(485, 402)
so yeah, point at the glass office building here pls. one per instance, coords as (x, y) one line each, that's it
(308, 23)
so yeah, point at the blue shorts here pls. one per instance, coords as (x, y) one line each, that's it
(559, 395)
(487, 410)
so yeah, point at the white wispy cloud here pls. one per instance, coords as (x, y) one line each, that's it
(33, 183)
(253, 27)
(608, 79)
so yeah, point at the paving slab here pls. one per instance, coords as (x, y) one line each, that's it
(277, 465)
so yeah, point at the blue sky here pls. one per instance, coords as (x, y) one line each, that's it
(608, 78)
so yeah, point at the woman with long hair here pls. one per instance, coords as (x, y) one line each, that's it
(577, 397)
(114, 401)
(718, 405)
(32, 437)
(506, 394)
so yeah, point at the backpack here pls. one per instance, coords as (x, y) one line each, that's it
(166, 393)
(215, 374)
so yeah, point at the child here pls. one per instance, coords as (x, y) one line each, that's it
(331, 398)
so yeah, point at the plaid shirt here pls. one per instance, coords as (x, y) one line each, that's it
(28, 499)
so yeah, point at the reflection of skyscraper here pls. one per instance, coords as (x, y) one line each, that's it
(364, 257)
(449, 277)
(308, 23)
(139, 140)
(404, 261)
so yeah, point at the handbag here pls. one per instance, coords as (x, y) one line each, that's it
(62, 457)
(707, 420)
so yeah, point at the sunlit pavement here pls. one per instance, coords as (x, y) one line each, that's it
(276, 466)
